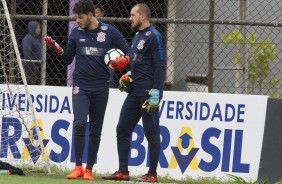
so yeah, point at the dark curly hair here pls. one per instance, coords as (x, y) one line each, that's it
(84, 6)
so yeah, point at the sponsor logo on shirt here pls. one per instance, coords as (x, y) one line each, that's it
(148, 33)
(82, 40)
(90, 50)
(101, 37)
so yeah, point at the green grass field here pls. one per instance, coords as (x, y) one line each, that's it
(41, 178)
(60, 179)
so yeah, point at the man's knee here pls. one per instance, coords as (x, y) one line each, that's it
(95, 135)
(79, 130)
(152, 138)
(122, 134)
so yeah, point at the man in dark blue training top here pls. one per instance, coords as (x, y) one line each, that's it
(89, 42)
(148, 74)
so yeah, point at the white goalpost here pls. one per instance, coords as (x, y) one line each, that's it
(20, 135)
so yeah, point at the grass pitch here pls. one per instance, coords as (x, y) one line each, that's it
(40, 176)
(61, 179)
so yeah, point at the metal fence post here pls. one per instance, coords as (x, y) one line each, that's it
(211, 46)
(44, 32)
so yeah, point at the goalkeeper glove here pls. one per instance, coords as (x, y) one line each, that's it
(125, 83)
(54, 45)
(152, 103)
(119, 63)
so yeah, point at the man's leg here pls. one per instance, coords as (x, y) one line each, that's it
(152, 133)
(129, 117)
(80, 110)
(96, 118)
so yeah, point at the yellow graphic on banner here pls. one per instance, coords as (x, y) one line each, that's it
(194, 162)
(33, 140)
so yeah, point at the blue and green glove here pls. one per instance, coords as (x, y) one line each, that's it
(152, 103)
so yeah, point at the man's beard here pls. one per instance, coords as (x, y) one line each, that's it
(87, 24)
(136, 26)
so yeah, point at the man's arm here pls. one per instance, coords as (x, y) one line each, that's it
(159, 61)
(66, 55)
(70, 51)
(120, 42)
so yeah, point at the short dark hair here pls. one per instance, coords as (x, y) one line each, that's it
(84, 6)
(143, 8)
(99, 7)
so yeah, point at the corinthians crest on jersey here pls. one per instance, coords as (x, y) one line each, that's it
(101, 37)
(75, 90)
(140, 45)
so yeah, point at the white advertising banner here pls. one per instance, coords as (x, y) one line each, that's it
(202, 134)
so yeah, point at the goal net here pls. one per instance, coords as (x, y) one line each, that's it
(21, 141)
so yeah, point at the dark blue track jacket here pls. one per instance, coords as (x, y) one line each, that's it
(89, 48)
(148, 65)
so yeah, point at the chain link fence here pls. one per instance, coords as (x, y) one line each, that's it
(221, 46)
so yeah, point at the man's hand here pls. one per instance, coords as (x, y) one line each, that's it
(119, 63)
(54, 45)
(152, 103)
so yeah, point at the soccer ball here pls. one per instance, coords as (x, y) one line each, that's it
(112, 54)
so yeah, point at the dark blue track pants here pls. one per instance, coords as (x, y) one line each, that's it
(130, 115)
(93, 105)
